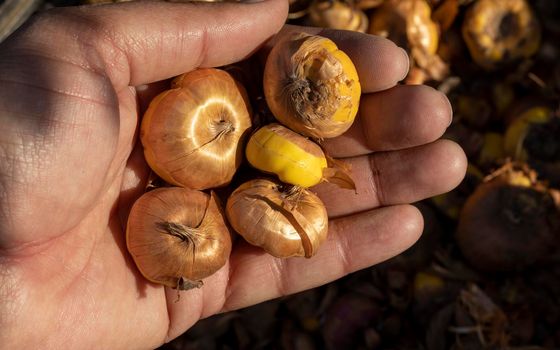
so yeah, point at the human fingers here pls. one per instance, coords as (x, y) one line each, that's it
(379, 62)
(253, 276)
(143, 42)
(397, 177)
(145, 93)
(402, 117)
(354, 242)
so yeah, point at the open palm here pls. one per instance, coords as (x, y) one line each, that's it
(70, 168)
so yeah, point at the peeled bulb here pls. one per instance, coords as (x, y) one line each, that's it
(193, 133)
(284, 220)
(178, 236)
(295, 159)
(311, 86)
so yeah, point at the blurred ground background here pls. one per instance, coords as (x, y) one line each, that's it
(486, 272)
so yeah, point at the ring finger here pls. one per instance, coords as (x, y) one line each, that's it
(396, 177)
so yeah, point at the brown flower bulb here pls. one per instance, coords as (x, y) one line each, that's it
(178, 236)
(284, 220)
(510, 222)
(193, 133)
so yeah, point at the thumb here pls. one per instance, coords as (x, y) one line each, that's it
(61, 78)
(138, 43)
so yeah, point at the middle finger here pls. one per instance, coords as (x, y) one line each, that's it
(402, 117)
(396, 177)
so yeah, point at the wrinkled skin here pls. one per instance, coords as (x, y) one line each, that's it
(73, 85)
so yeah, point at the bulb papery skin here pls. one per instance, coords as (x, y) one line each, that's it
(193, 134)
(295, 159)
(285, 221)
(311, 86)
(175, 234)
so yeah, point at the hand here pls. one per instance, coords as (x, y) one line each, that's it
(71, 166)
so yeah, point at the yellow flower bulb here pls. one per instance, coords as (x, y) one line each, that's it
(311, 86)
(293, 158)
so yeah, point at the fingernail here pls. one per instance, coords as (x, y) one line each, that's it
(444, 96)
(407, 59)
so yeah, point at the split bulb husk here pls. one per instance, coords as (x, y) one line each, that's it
(296, 160)
(510, 222)
(284, 220)
(311, 86)
(500, 31)
(178, 236)
(193, 134)
(337, 14)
